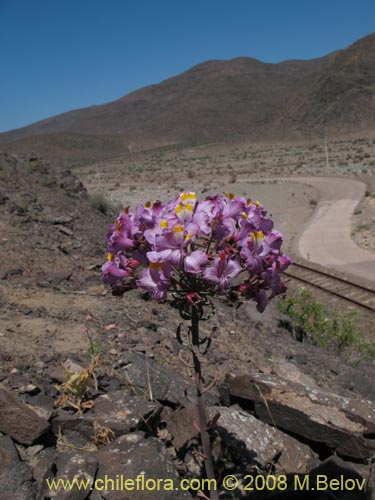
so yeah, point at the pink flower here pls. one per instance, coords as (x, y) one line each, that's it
(195, 262)
(222, 270)
(197, 249)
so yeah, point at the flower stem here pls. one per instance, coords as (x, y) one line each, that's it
(202, 417)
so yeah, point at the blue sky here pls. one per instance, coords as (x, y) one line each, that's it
(58, 55)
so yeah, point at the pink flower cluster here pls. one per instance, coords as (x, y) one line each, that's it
(197, 248)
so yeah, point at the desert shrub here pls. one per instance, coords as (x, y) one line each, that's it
(364, 226)
(323, 326)
(102, 204)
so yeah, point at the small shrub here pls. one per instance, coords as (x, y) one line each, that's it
(102, 204)
(329, 328)
(364, 227)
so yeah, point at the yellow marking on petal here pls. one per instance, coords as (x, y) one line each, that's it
(249, 203)
(155, 265)
(110, 256)
(178, 229)
(148, 204)
(257, 237)
(164, 224)
(184, 210)
(257, 203)
(244, 215)
(230, 196)
(118, 226)
(188, 196)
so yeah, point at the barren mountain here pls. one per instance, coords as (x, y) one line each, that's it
(240, 99)
(340, 98)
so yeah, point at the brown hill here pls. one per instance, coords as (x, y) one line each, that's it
(340, 98)
(239, 99)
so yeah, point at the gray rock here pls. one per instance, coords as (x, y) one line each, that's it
(62, 219)
(15, 476)
(43, 466)
(130, 457)
(70, 466)
(54, 278)
(245, 439)
(165, 386)
(118, 410)
(8, 452)
(336, 468)
(19, 421)
(70, 440)
(28, 453)
(65, 230)
(345, 425)
(95, 495)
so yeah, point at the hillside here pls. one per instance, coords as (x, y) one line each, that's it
(340, 98)
(240, 99)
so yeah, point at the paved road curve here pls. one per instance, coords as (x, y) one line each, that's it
(327, 239)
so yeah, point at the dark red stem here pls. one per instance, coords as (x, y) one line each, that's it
(202, 417)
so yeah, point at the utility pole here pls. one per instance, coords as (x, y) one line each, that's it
(326, 150)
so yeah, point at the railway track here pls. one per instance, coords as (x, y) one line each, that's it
(344, 288)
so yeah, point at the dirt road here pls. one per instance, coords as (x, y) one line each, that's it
(327, 239)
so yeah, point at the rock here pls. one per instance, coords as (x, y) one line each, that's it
(333, 479)
(291, 372)
(41, 403)
(132, 457)
(15, 476)
(109, 384)
(118, 410)
(70, 440)
(72, 367)
(8, 452)
(65, 230)
(28, 453)
(336, 468)
(19, 421)
(56, 373)
(42, 466)
(8, 273)
(95, 495)
(40, 365)
(114, 408)
(62, 219)
(165, 385)
(29, 389)
(345, 425)
(70, 183)
(70, 466)
(54, 278)
(244, 440)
